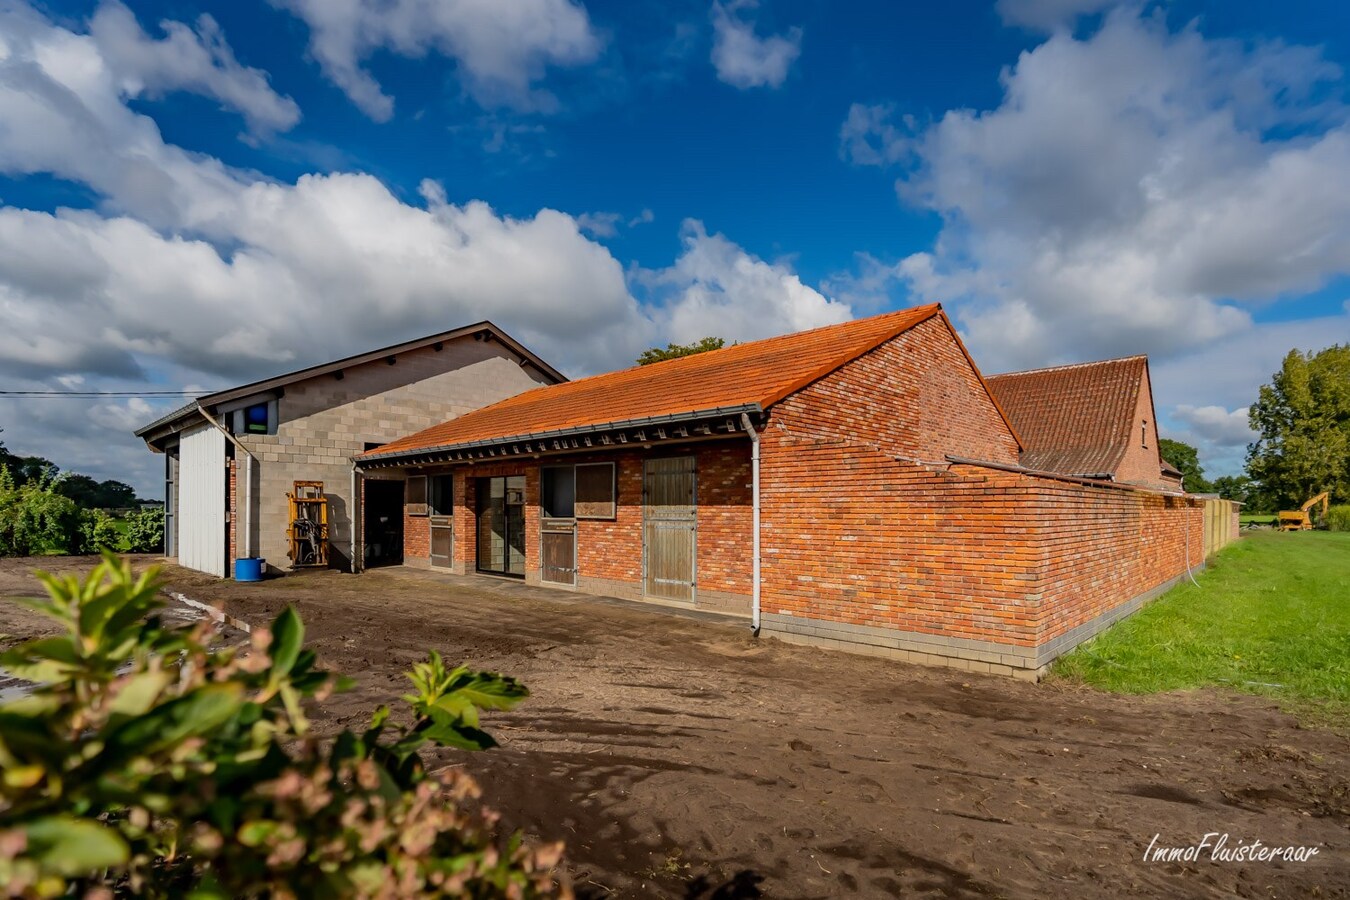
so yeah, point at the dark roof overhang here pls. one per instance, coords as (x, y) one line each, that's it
(695, 425)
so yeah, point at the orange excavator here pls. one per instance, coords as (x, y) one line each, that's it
(1301, 518)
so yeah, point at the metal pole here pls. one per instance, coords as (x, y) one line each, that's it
(754, 491)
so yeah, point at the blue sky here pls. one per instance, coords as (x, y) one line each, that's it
(197, 194)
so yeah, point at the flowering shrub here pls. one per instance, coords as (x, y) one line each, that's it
(145, 530)
(34, 518)
(148, 763)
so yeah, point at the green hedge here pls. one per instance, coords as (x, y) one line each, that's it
(1338, 518)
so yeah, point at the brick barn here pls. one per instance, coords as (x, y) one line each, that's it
(1094, 420)
(856, 486)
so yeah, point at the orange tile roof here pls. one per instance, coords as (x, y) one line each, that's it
(757, 373)
(1074, 420)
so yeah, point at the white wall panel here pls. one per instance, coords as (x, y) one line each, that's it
(201, 501)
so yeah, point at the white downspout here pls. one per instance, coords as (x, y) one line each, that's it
(754, 491)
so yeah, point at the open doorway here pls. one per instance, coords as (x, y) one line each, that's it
(383, 523)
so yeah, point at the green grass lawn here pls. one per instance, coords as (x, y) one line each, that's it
(1271, 615)
(1258, 518)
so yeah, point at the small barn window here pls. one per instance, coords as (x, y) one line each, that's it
(415, 495)
(558, 491)
(442, 499)
(595, 491)
(256, 419)
(253, 418)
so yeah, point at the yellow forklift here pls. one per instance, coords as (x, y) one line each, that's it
(308, 529)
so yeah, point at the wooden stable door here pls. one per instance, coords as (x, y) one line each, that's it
(559, 551)
(440, 509)
(669, 528)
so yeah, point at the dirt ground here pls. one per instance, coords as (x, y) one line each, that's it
(675, 754)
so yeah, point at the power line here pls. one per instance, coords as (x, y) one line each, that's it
(102, 393)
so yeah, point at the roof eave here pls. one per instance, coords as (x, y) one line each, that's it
(694, 415)
(164, 423)
(369, 356)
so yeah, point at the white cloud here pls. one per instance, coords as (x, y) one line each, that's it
(1047, 15)
(257, 262)
(199, 61)
(190, 271)
(742, 58)
(1136, 190)
(600, 224)
(1216, 425)
(65, 113)
(501, 49)
(870, 137)
(716, 288)
(336, 258)
(1226, 375)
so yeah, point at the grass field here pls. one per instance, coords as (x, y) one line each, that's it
(1271, 615)
(1258, 518)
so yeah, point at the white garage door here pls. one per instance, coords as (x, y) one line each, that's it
(201, 501)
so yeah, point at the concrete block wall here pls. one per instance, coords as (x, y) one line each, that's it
(324, 422)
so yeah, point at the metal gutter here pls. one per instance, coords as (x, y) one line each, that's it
(564, 432)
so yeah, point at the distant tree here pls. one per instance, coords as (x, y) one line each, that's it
(1233, 487)
(1187, 459)
(80, 488)
(1302, 419)
(90, 494)
(31, 468)
(85, 491)
(675, 351)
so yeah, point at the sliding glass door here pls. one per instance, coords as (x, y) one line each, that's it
(501, 525)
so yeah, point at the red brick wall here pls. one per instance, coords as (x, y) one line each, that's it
(416, 536)
(1141, 463)
(865, 525)
(1101, 547)
(915, 396)
(234, 516)
(853, 535)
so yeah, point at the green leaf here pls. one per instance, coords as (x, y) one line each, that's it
(488, 690)
(197, 713)
(256, 833)
(27, 736)
(46, 660)
(450, 731)
(139, 692)
(288, 635)
(72, 847)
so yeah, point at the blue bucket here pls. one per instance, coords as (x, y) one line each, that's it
(250, 568)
